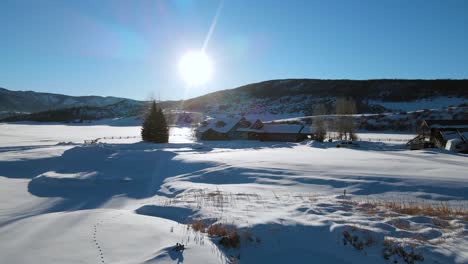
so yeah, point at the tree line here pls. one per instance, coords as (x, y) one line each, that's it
(343, 124)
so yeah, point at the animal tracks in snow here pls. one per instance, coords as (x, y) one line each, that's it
(98, 242)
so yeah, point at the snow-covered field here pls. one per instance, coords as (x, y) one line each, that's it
(124, 201)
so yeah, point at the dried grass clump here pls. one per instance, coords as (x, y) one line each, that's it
(358, 242)
(353, 240)
(218, 230)
(396, 251)
(368, 208)
(198, 226)
(441, 223)
(229, 236)
(232, 240)
(401, 224)
(442, 210)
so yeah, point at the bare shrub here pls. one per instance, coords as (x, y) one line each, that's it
(393, 249)
(229, 236)
(218, 230)
(358, 242)
(231, 240)
(198, 226)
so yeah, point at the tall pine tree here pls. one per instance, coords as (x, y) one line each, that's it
(155, 126)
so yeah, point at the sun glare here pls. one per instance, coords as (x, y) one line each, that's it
(196, 68)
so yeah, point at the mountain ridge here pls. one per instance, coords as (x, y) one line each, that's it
(30, 101)
(281, 96)
(299, 95)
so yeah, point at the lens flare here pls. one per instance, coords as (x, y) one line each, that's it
(196, 68)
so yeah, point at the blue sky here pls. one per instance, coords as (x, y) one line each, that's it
(132, 48)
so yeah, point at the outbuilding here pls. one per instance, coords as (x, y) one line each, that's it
(446, 134)
(218, 128)
(282, 132)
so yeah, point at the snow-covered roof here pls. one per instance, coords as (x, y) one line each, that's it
(447, 123)
(221, 125)
(465, 135)
(249, 130)
(449, 135)
(281, 128)
(251, 125)
(308, 129)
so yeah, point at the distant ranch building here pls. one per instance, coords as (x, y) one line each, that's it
(249, 129)
(252, 129)
(308, 132)
(446, 134)
(218, 129)
(282, 132)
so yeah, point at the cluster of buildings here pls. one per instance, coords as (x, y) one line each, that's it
(445, 134)
(251, 129)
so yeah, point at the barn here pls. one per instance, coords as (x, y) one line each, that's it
(446, 134)
(282, 132)
(249, 129)
(308, 132)
(218, 128)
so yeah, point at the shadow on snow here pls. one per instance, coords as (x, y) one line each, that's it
(88, 176)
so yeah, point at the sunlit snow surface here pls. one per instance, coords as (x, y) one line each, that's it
(124, 201)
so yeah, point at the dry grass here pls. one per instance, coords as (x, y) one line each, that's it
(229, 236)
(231, 240)
(395, 251)
(198, 226)
(441, 210)
(401, 224)
(441, 223)
(218, 230)
(368, 208)
(365, 238)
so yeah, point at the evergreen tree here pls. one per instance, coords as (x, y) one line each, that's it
(155, 126)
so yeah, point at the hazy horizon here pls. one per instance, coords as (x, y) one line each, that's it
(162, 99)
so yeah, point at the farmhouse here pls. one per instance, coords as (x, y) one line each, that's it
(447, 134)
(218, 129)
(249, 129)
(308, 132)
(282, 132)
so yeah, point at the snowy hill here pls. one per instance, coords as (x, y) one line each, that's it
(28, 101)
(269, 100)
(123, 108)
(298, 97)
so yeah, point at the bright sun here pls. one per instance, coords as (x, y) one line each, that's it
(196, 68)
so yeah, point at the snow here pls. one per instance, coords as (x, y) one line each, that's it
(385, 137)
(31, 133)
(452, 144)
(124, 201)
